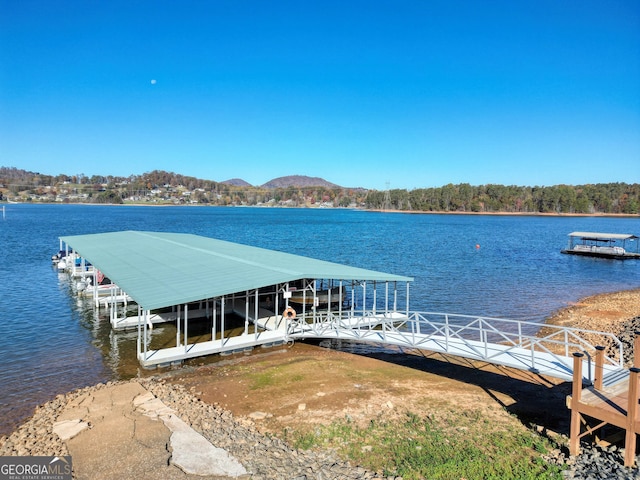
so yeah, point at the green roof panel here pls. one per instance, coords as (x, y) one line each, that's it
(163, 269)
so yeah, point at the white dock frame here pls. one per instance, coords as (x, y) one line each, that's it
(367, 308)
(492, 340)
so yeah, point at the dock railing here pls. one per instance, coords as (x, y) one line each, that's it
(484, 338)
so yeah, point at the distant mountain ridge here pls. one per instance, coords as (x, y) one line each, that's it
(287, 181)
(299, 181)
(237, 182)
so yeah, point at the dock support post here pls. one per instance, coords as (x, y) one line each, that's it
(177, 326)
(636, 350)
(599, 373)
(222, 315)
(256, 314)
(138, 344)
(340, 292)
(632, 414)
(186, 326)
(213, 324)
(407, 303)
(386, 297)
(576, 391)
(246, 312)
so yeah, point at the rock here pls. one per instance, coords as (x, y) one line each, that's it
(193, 454)
(67, 429)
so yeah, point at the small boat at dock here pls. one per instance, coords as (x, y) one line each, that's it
(320, 297)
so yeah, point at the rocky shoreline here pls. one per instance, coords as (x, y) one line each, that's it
(267, 457)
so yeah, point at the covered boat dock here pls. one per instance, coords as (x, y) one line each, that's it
(247, 297)
(176, 274)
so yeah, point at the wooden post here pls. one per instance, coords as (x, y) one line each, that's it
(632, 416)
(574, 432)
(599, 373)
(636, 350)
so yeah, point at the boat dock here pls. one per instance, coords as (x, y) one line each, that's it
(280, 297)
(254, 297)
(226, 283)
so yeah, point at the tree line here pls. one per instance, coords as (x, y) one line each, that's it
(607, 198)
(602, 198)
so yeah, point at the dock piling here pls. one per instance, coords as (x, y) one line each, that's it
(576, 392)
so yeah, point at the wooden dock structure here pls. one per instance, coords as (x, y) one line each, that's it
(615, 405)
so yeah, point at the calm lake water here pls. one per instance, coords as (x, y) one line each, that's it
(50, 342)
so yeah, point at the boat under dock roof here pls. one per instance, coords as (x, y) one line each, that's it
(158, 269)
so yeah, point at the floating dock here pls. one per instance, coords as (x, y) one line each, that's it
(616, 246)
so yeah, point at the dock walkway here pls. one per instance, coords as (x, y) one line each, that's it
(475, 338)
(543, 363)
(225, 346)
(130, 322)
(236, 307)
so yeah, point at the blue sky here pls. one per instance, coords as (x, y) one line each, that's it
(405, 94)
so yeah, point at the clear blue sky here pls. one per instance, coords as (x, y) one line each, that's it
(362, 93)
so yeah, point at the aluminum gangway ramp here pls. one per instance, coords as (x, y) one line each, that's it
(539, 348)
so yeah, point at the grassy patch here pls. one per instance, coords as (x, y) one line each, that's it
(262, 380)
(272, 377)
(417, 447)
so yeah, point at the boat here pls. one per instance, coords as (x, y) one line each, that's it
(321, 297)
(57, 257)
(604, 245)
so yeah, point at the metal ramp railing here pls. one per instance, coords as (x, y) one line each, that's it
(540, 348)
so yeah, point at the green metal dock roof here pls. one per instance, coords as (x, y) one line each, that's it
(163, 269)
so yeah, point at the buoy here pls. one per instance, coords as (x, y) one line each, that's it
(477, 246)
(289, 313)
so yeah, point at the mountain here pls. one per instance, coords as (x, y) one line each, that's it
(299, 181)
(237, 182)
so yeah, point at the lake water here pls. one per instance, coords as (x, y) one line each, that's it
(51, 343)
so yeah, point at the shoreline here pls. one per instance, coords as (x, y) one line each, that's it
(186, 386)
(599, 312)
(513, 214)
(308, 207)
